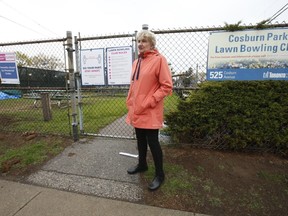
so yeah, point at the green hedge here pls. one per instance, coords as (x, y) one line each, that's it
(234, 115)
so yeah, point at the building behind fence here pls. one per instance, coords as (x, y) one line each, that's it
(101, 110)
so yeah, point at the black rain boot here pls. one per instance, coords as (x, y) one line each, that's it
(156, 183)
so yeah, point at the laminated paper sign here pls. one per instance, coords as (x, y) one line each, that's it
(8, 69)
(119, 64)
(92, 67)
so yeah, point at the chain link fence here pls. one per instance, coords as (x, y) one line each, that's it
(101, 110)
(42, 69)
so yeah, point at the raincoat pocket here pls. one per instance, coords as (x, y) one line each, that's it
(142, 104)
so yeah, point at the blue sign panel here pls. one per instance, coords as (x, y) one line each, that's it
(8, 70)
(246, 74)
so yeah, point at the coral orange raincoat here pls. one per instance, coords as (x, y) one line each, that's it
(151, 81)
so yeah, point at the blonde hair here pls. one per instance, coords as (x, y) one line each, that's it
(150, 36)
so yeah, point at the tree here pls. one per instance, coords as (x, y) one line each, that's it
(23, 60)
(46, 62)
(186, 79)
(39, 61)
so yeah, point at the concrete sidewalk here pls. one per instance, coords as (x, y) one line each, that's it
(87, 178)
(17, 199)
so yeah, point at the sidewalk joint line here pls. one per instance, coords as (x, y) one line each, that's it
(27, 203)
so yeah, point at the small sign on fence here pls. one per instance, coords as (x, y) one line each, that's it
(8, 69)
(92, 67)
(119, 64)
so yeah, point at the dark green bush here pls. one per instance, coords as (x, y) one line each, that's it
(234, 115)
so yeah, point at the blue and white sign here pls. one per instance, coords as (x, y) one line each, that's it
(8, 69)
(248, 55)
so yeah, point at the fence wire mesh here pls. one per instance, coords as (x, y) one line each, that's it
(41, 68)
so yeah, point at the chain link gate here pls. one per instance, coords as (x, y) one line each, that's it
(102, 109)
(185, 51)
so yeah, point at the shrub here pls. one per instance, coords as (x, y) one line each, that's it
(234, 115)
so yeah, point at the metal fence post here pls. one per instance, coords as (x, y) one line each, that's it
(72, 94)
(78, 82)
(135, 46)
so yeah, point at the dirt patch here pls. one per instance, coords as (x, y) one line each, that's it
(224, 183)
(10, 140)
(219, 183)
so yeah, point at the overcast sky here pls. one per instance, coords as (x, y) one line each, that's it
(22, 20)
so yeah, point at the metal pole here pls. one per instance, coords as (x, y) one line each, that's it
(145, 27)
(135, 46)
(78, 81)
(72, 94)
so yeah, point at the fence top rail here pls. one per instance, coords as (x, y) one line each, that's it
(208, 29)
(33, 42)
(106, 37)
(170, 31)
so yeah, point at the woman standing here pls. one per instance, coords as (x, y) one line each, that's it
(151, 81)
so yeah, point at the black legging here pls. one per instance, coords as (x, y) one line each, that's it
(150, 137)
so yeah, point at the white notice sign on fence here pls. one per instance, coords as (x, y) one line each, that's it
(119, 64)
(92, 67)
